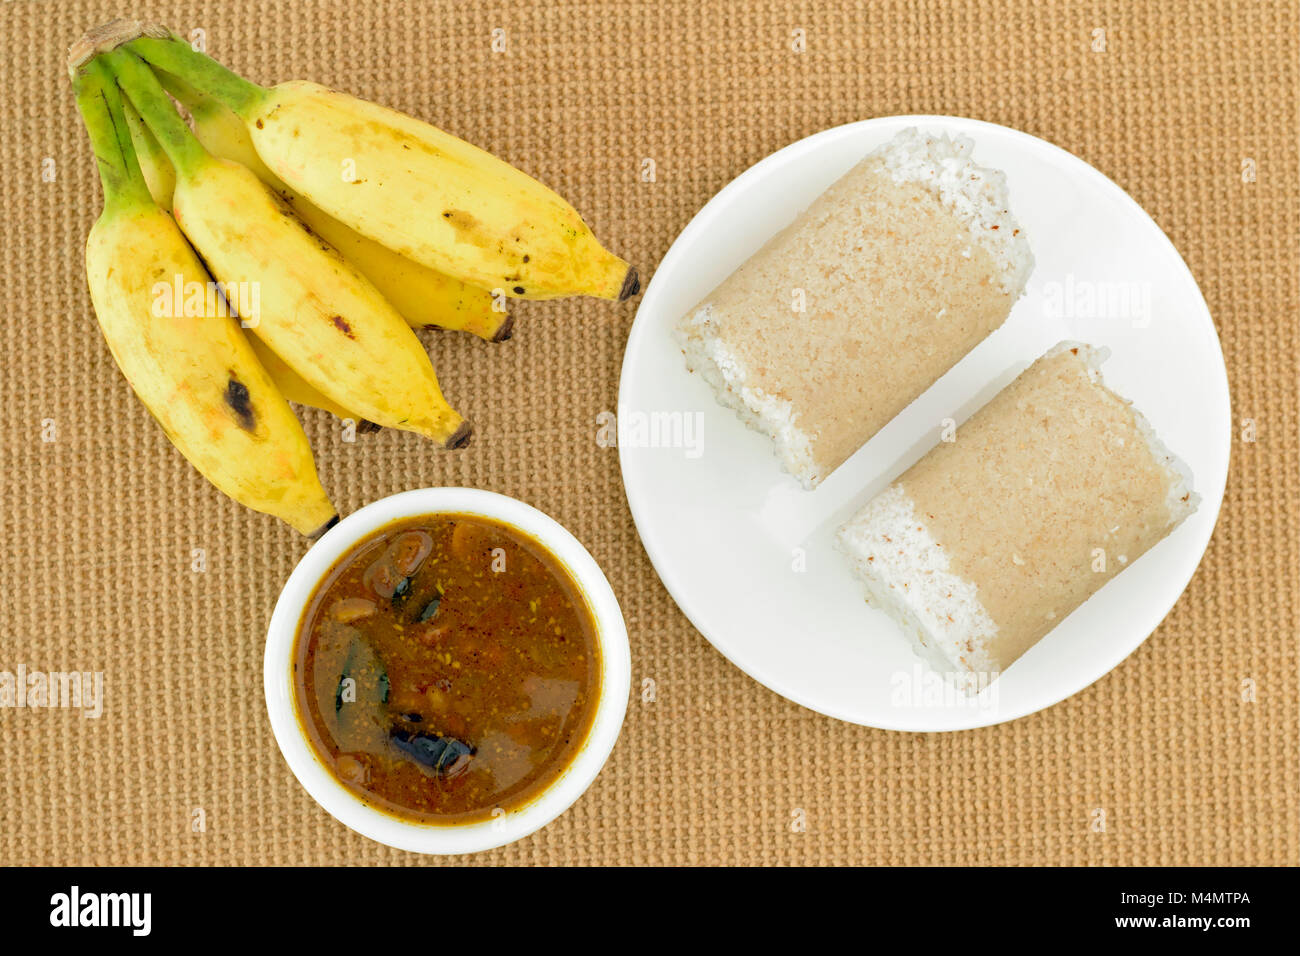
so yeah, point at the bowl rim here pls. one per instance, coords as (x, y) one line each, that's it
(434, 838)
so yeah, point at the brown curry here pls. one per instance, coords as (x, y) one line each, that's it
(446, 666)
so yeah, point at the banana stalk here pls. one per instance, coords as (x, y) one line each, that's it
(412, 187)
(313, 308)
(195, 373)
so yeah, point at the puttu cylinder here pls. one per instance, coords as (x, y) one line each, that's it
(875, 291)
(1046, 493)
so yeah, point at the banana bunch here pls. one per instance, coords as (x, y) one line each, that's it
(198, 376)
(320, 277)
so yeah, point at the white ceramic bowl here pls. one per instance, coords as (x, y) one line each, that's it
(325, 788)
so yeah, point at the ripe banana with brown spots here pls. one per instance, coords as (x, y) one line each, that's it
(314, 309)
(196, 374)
(426, 298)
(161, 180)
(406, 184)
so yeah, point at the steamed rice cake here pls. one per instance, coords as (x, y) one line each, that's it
(877, 289)
(1047, 492)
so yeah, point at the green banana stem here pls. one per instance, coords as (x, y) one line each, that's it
(100, 103)
(201, 71)
(154, 164)
(198, 103)
(147, 96)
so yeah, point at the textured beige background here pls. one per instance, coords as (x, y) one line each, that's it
(98, 526)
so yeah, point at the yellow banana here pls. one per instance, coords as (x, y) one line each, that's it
(195, 373)
(426, 298)
(416, 189)
(296, 292)
(161, 180)
(296, 389)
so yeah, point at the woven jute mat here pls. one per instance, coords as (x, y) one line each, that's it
(1187, 751)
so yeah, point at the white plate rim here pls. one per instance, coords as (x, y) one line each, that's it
(791, 153)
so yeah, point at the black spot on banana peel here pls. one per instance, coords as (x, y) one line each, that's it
(238, 400)
(341, 324)
(631, 284)
(460, 438)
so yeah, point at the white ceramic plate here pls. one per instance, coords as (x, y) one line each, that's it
(722, 523)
